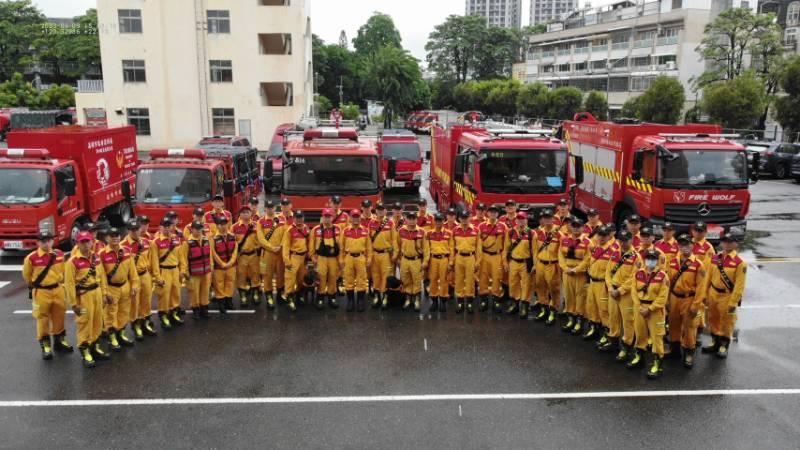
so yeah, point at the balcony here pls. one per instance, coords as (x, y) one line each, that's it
(620, 45)
(277, 94)
(563, 52)
(667, 40)
(643, 44)
(90, 86)
(275, 44)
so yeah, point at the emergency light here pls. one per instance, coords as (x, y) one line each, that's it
(178, 153)
(330, 133)
(698, 135)
(25, 153)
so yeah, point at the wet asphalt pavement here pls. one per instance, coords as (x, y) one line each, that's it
(327, 379)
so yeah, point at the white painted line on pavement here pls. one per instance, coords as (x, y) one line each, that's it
(10, 268)
(768, 306)
(459, 411)
(233, 311)
(400, 398)
(4, 284)
(425, 344)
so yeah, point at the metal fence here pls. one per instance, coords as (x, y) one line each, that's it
(773, 133)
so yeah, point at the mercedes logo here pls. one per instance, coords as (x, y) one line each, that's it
(703, 209)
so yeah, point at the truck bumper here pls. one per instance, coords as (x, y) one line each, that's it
(18, 244)
(715, 230)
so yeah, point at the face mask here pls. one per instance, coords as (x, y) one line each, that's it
(651, 263)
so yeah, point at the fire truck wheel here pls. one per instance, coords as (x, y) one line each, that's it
(73, 234)
(123, 214)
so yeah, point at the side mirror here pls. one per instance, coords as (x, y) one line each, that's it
(126, 190)
(755, 167)
(391, 172)
(578, 170)
(638, 163)
(428, 155)
(268, 172)
(227, 188)
(70, 186)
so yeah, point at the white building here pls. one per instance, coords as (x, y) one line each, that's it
(498, 13)
(545, 11)
(620, 49)
(183, 69)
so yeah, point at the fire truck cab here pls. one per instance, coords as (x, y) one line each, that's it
(330, 161)
(471, 164)
(181, 180)
(401, 159)
(675, 173)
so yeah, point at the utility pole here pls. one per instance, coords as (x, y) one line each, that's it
(341, 91)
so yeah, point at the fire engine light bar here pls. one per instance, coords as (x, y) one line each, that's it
(24, 153)
(699, 135)
(178, 153)
(330, 133)
(341, 123)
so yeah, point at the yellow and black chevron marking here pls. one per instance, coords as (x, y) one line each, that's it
(640, 185)
(442, 175)
(466, 194)
(602, 171)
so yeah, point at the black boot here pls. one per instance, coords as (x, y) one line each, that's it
(470, 301)
(443, 305)
(270, 297)
(196, 313)
(204, 312)
(291, 302)
(655, 369)
(111, 337)
(513, 307)
(229, 303)
(523, 310)
(567, 327)
(417, 298)
(496, 305)
(672, 350)
(46, 345)
(484, 303)
(459, 305)
(244, 302)
(577, 328)
(361, 300)
(714, 346)
(138, 329)
(332, 302)
(590, 332)
(255, 296)
(376, 299)
(434, 305)
(176, 317)
(602, 339)
(636, 359)
(86, 356)
(149, 327)
(551, 317)
(61, 344)
(541, 313)
(624, 352)
(351, 302)
(123, 339)
(609, 345)
(688, 357)
(98, 352)
(722, 349)
(407, 303)
(451, 293)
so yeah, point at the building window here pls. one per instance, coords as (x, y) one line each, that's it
(665, 59)
(223, 121)
(221, 71)
(790, 36)
(563, 67)
(274, 2)
(133, 71)
(618, 84)
(219, 22)
(793, 13)
(641, 61)
(130, 20)
(600, 64)
(140, 118)
(578, 67)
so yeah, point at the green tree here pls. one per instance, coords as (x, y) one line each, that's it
(597, 104)
(453, 46)
(378, 32)
(442, 93)
(423, 95)
(20, 23)
(564, 102)
(334, 65)
(323, 104)
(464, 96)
(350, 111)
(58, 97)
(497, 53)
(630, 109)
(736, 103)
(787, 108)
(394, 76)
(18, 92)
(502, 98)
(768, 62)
(533, 100)
(662, 102)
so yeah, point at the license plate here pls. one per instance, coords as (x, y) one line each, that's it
(12, 245)
(713, 234)
(398, 183)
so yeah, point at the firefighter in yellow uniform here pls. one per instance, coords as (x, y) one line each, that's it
(146, 263)
(355, 257)
(325, 251)
(438, 254)
(703, 250)
(518, 263)
(198, 265)
(269, 231)
(593, 224)
(168, 275)
(573, 260)
(198, 216)
(624, 263)
(649, 291)
(723, 289)
(424, 218)
(295, 252)
(218, 210)
(648, 243)
(467, 256)
(480, 216)
(633, 224)
(85, 287)
(224, 252)
(248, 270)
(123, 285)
(493, 243)
(686, 274)
(547, 280)
(43, 272)
(562, 218)
(668, 244)
(383, 235)
(411, 252)
(595, 316)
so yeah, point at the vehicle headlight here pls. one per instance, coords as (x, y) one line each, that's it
(417, 176)
(48, 224)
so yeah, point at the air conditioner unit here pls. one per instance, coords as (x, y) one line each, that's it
(670, 65)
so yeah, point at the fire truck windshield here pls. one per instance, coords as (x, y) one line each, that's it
(308, 175)
(275, 150)
(702, 168)
(523, 171)
(402, 152)
(24, 186)
(173, 185)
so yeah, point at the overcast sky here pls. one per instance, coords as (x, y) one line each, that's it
(414, 18)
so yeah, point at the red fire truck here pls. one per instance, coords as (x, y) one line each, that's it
(330, 161)
(400, 150)
(471, 164)
(181, 180)
(274, 158)
(675, 173)
(55, 179)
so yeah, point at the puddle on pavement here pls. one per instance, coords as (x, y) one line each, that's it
(776, 216)
(751, 238)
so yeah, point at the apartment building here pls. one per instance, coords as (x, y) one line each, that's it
(182, 69)
(498, 13)
(546, 11)
(621, 48)
(788, 14)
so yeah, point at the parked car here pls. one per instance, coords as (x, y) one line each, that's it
(796, 168)
(776, 157)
